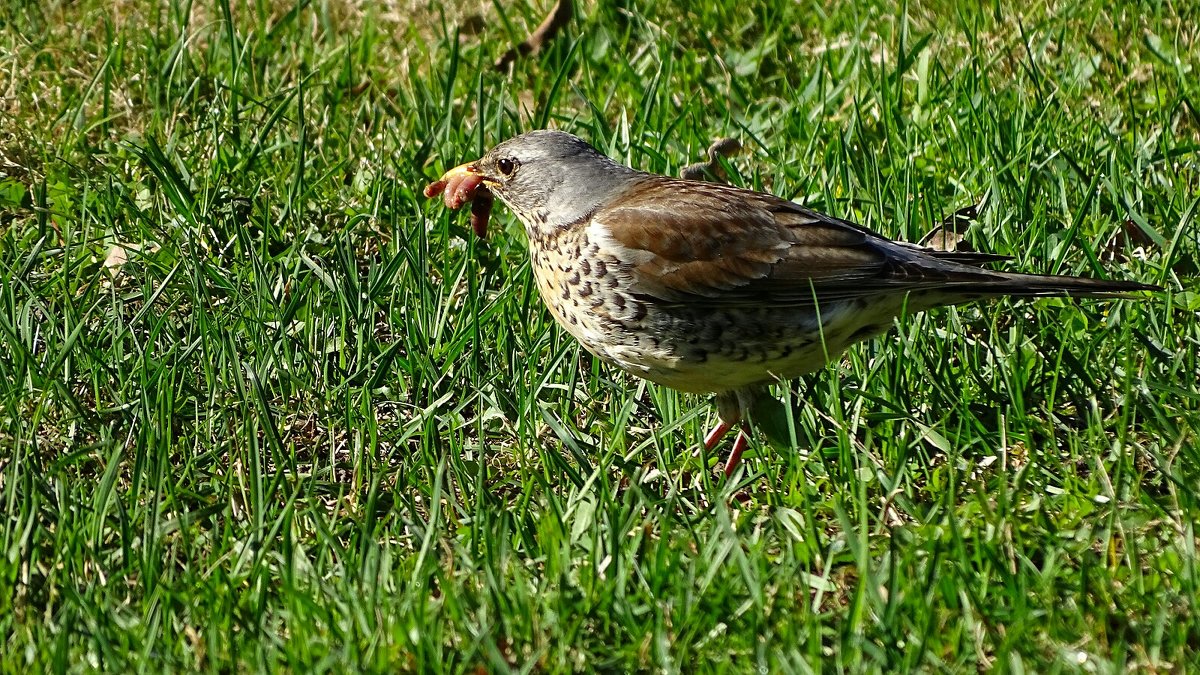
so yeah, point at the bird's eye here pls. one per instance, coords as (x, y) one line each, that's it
(506, 166)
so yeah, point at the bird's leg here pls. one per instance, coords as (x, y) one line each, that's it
(739, 446)
(718, 432)
(729, 413)
(732, 409)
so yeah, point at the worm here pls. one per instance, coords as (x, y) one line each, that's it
(459, 190)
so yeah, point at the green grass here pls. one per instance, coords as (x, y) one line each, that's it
(311, 423)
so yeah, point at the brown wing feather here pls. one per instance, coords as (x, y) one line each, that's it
(742, 247)
(736, 247)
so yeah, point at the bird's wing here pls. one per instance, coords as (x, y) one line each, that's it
(689, 240)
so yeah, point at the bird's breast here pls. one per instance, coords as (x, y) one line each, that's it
(588, 291)
(692, 346)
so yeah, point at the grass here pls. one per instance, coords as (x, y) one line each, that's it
(265, 407)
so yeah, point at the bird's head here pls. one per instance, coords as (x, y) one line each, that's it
(549, 179)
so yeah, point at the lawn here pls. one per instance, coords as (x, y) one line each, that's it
(265, 407)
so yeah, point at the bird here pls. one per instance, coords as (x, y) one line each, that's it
(708, 288)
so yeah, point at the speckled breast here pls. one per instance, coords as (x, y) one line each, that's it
(687, 346)
(587, 292)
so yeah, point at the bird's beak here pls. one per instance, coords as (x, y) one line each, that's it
(463, 171)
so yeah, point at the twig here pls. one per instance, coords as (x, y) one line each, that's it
(722, 147)
(554, 21)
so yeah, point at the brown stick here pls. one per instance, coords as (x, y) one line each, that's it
(557, 18)
(949, 236)
(722, 147)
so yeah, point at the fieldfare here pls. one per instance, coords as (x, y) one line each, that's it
(708, 288)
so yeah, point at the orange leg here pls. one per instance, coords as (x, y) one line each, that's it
(739, 446)
(718, 432)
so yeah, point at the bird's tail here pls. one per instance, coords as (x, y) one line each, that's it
(1041, 286)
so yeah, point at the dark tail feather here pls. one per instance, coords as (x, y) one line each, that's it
(1041, 286)
(970, 257)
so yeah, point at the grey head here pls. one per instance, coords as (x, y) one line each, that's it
(551, 179)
